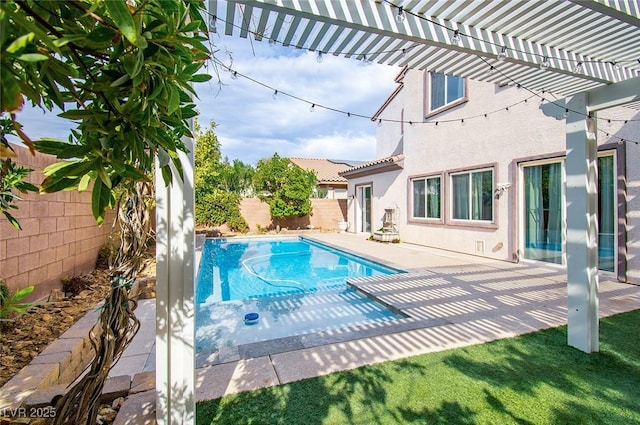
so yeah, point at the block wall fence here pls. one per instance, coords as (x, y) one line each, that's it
(326, 215)
(59, 236)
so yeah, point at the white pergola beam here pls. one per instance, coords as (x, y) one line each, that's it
(614, 95)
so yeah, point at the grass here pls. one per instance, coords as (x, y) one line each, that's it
(531, 379)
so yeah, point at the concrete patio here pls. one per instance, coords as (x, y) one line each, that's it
(450, 300)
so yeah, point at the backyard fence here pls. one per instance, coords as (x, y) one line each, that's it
(327, 213)
(59, 236)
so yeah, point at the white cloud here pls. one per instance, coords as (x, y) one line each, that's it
(251, 125)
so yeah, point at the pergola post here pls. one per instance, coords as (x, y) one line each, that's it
(582, 225)
(175, 325)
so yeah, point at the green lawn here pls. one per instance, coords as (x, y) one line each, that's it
(531, 379)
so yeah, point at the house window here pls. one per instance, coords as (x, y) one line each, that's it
(472, 195)
(445, 89)
(426, 197)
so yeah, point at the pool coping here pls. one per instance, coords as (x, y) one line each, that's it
(205, 358)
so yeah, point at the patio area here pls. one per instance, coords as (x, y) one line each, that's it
(451, 300)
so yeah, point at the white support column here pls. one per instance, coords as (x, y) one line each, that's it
(175, 325)
(582, 227)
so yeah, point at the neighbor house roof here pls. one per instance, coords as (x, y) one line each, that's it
(381, 165)
(327, 170)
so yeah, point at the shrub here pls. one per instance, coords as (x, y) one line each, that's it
(72, 286)
(219, 207)
(237, 223)
(11, 305)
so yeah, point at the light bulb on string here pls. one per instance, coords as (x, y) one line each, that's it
(503, 53)
(274, 96)
(400, 18)
(455, 40)
(234, 75)
(544, 65)
(491, 70)
(566, 113)
(212, 24)
(272, 42)
(403, 54)
(319, 57)
(578, 68)
(312, 107)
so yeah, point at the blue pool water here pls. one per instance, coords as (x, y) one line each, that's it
(296, 286)
(255, 268)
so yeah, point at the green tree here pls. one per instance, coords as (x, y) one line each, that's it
(217, 202)
(122, 72)
(286, 187)
(237, 177)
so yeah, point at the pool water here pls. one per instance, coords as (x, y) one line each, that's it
(296, 286)
(250, 268)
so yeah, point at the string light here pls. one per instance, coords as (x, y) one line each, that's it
(313, 106)
(319, 57)
(212, 24)
(503, 54)
(491, 70)
(544, 65)
(234, 75)
(578, 68)
(455, 40)
(274, 96)
(400, 18)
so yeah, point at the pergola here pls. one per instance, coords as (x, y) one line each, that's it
(583, 54)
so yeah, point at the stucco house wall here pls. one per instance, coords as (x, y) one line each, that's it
(497, 127)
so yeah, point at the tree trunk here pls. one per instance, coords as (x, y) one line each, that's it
(117, 324)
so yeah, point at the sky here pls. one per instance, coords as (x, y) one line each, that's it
(251, 125)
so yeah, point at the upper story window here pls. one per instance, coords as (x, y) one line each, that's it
(472, 195)
(445, 90)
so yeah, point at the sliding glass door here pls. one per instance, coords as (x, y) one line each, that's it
(606, 213)
(543, 212)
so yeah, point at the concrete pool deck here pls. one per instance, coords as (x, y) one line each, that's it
(451, 300)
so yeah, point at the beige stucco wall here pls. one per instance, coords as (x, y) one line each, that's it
(498, 139)
(326, 215)
(59, 239)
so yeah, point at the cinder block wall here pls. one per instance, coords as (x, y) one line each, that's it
(326, 215)
(59, 236)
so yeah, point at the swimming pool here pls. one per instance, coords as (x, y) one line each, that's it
(255, 268)
(297, 286)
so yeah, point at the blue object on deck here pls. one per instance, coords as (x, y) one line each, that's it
(251, 318)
